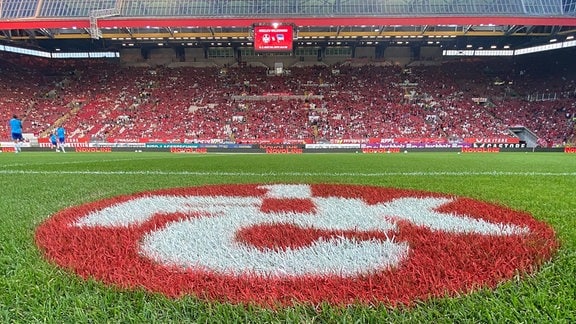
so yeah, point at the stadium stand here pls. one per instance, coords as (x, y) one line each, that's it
(101, 100)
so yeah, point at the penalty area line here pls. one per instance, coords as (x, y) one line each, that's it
(307, 174)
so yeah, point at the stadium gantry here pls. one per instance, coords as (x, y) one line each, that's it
(523, 23)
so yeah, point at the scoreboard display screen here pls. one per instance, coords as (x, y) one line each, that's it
(273, 39)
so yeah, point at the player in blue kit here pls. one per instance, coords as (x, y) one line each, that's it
(16, 131)
(61, 134)
(54, 141)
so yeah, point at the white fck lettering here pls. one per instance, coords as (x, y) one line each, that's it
(206, 240)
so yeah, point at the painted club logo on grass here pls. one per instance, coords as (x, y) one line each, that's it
(284, 243)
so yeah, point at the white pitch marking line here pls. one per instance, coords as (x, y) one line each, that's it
(307, 174)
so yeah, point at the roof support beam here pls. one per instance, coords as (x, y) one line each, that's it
(46, 32)
(424, 29)
(38, 7)
(555, 30)
(95, 32)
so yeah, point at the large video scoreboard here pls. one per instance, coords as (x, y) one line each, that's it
(273, 38)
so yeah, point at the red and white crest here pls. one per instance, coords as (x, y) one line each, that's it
(285, 243)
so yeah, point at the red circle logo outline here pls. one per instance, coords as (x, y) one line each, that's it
(438, 263)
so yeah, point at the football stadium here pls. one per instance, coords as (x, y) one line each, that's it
(300, 161)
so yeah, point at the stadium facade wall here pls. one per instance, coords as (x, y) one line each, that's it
(194, 56)
(365, 52)
(200, 57)
(398, 55)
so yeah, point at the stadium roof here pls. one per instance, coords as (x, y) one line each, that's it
(109, 23)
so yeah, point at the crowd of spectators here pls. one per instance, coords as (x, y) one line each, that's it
(102, 101)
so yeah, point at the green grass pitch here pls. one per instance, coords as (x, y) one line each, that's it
(34, 186)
